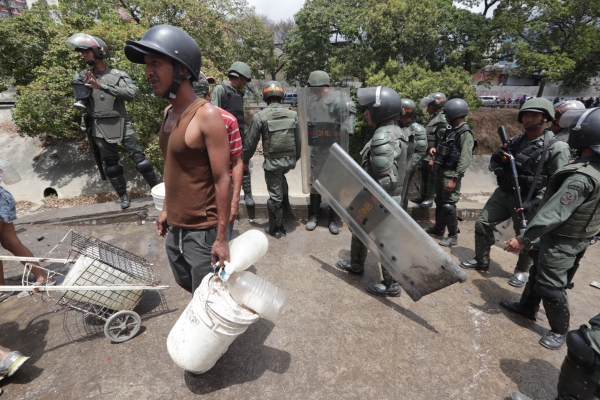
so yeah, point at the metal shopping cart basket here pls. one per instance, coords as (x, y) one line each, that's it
(100, 280)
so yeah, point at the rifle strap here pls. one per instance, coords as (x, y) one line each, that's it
(539, 168)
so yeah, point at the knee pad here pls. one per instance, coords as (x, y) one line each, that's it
(579, 350)
(144, 166)
(138, 157)
(449, 208)
(113, 168)
(549, 293)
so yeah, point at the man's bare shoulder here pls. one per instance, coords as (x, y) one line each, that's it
(207, 112)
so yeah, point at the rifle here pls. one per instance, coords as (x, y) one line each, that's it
(93, 146)
(514, 176)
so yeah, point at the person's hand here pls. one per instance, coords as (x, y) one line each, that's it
(430, 164)
(235, 208)
(219, 252)
(529, 205)
(432, 151)
(513, 245)
(451, 185)
(92, 81)
(161, 224)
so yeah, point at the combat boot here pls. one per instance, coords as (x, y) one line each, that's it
(440, 224)
(313, 211)
(451, 218)
(552, 340)
(475, 264)
(276, 232)
(451, 240)
(381, 289)
(520, 309)
(333, 228)
(125, 202)
(519, 279)
(481, 261)
(426, 203)
(120, 186)
(417, 200)
(247, 187)
(353, 268)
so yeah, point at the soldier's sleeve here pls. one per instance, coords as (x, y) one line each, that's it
(215, 95)
(558, 157)
(252, 137)
(558, 208)
(298, 139)
(467, 141)
(384, 149)
(124, 89)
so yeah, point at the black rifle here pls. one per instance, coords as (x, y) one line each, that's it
(514, 176)
(93, 146)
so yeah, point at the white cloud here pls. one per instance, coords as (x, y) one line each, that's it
(277, 9)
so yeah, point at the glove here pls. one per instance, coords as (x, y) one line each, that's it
(531, 205)
(497, 155)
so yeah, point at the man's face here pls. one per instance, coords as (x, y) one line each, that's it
(88, 55)
(430, 109)
(531, 119)
(368, 117)
(238, 82)
(159, 72)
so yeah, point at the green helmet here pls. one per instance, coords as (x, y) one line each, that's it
(82, 41)
(273, 89)
(318, 78)
(409, 108)
(239, 68)
(537, 104)
(436, 99)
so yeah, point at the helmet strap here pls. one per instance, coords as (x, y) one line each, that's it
(178, 77)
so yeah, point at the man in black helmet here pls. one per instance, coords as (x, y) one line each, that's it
(278, 127)
(105, 115)
(229, 96)
(538, 155)
(566, 222)
(195, 147)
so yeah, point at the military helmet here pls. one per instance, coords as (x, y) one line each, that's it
(318, 78)
(584, 125)
(383, 103)
(82, 41)
(436, 99)
(563, 106)
(238, 69)
(539, 105)
(201, 86)
(456, 108)
(168, 41)
(409, 108)
(273, 89)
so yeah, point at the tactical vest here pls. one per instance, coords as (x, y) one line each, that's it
(279, 135)
(233, 102)
(450, 145)
(585, 220)
(525, 160)
(419, 134)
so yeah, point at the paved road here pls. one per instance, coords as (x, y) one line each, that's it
(335, 341)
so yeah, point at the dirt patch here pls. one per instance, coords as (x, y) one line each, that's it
(51, 202)
(485, 122)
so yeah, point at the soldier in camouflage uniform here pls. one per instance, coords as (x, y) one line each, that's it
(417, 142)
(384, 157)
(229, 96)
(538, 155)
(105, 113)
(451, 160)
(436, 126)
(281, 140)
(566, 222)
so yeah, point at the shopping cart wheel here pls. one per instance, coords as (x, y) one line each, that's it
(122, 326)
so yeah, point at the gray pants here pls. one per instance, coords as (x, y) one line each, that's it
(188, 252)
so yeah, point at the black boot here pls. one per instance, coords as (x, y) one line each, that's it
(481, 262)
(333, 228)
(313, 211)
(451, 218)
(519, 308)
(247, 187)
(440, 224)
(120, 186)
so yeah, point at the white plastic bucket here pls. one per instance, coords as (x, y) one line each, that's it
(207, 326)
(9, 175)
(158, 195)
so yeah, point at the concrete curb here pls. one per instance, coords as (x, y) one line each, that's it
(143, 209)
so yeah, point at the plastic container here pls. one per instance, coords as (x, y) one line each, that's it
(208, 325)
(9, 174)
(158, 195)
(244, 251)
(257, 294)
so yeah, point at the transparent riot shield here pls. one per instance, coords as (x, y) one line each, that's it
(410, 255)
(504, 231)
(324, 120)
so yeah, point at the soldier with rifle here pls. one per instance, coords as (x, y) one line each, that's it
(104, 116)
(538, 155)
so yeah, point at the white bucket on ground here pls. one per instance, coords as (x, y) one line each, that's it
(9, 175)
(206, 328)
(158, 194)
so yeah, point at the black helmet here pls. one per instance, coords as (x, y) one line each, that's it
(539, 105)
(273, 89)
(409, 108)
(584, 126)
(172, 42)
(383, 103)
(456, 108)
(82, 41)
(563, 106)
(436, 99)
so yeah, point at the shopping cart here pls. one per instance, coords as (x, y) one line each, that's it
(100, 280)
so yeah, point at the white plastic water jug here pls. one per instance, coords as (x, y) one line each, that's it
(257, 294)
(244, 251)
(208, 325)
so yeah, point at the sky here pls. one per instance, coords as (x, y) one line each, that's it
(277, 9)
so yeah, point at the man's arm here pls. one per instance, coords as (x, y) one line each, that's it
(252, 138)
(215, 95)
(237, 172)
(124, 89)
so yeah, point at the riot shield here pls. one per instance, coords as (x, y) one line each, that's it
(503, 232)
(410, 255)
(324, 120)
